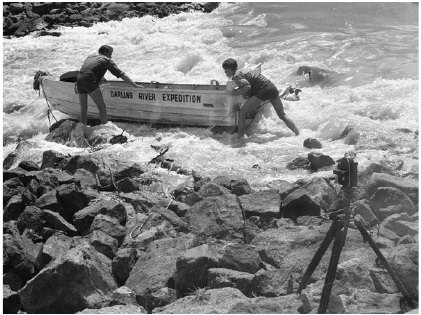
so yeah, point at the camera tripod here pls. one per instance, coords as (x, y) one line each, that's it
(338, 231)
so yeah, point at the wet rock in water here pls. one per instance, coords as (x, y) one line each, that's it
(299, 162)
(311, 143)
(319, 160)
(68, 132)
(54, 159)
(49, 292)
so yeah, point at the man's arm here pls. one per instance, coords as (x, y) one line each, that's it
(130, 81)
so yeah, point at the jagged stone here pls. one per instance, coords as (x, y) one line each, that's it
(123, 263)
(212, 190)
(103, 243)
(11, 301)
(57, 222)
(240, 257)
(56, 245)
(109, 226)
(80, 278)
(192, 268)
(289, 304)
(264, 204)
(227, 278)
(31, 217)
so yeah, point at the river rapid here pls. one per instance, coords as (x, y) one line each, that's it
(370, 51)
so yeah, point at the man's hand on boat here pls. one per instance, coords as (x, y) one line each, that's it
(130, 81)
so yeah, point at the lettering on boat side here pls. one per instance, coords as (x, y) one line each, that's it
(182, 98)
(121, 94)
(178, 98)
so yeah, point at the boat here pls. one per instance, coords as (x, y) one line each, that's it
(155, 103)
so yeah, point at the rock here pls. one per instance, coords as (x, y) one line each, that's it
(244, 258)
(271, 283)
(116, 309)
(9, 160)
(404, 261)
(103, 243)
(363, 209)
(400, 224)
(87, 163)
(124, 296)
(241, 187)
(372, 302)
(15, 257)
(123, 263)
(215, 216)
(297, 163)
(223, 278)
(13, 280)
(11, 227)
(212, 190)
(85, 178)
(31, 218)
(56, 245)
(109, 226)
(382, 281)
(67, 132)
(311, 143)
(54, 159)
(192, 268)
(11, 301)
(29, 166)
(81, 278)
(84, 218)
(319, 160)
(154, 269)
(142, 201)
(264, 204)
(216, 301)
(72, 198)
(351, 275)
(49, 201)
(390, 196)
(275, 305)
(405, 185)
(13, 208)
(57, 222)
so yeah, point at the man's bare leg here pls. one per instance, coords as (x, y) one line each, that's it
(247, 108)
(279, 108)
(83, 100)
(98, 99)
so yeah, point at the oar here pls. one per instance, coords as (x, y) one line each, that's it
(217, 123)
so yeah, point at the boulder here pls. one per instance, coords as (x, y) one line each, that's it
(80, 278)
(56, 245)
(124, 296)
(319, 160)
(78, 162)
(227, 278)
(382, 281)
(31, 218)
(85, 178)
(153, 271)
(370, 302)
(211, 190)
(202, 301)
(13, 208)
(299, 163)
(311, 143)
(11, 301)
(115, 309)
(240, 257)
(192, 268)
(389, 196)
(406, 185)
(215, 216)
(49, 201)
(57, 222)
(103, 243)
(289, 304)
(54, 159)
(16, 258)
(67, 132)
(29, 166)
(72, 198)
(142, 201)
(401, 224)
(83, 219)
(404, 261)
(271, 283)
(264, 204)
(123, 263)
(110, 226)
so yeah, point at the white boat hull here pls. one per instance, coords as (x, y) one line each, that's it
(185, 104)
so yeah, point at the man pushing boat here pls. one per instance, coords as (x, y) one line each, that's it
(90, 75)
(256, 88)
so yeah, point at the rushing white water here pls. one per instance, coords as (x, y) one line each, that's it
(370, 49)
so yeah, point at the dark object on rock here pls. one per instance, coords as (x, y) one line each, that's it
(311, 143)
(118, 139)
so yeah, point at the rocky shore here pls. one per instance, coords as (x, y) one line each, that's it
(81, 235)
(23, 18)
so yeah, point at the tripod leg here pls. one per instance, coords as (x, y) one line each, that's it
(379, 254)
(331, 272)
(319, 254)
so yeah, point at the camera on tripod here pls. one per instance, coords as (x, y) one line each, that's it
(347, 172)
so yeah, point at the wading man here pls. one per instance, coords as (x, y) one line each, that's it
(90, 75)
(256, 88)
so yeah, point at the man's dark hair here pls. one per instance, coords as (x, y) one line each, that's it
(105, 49)
(230, 64)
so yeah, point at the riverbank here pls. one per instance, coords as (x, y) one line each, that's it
(20, 19)
(216, 245)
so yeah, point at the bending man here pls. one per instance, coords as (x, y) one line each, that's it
(90, 75)
(257, 88)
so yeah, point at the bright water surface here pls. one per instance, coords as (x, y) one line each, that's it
(370, 48)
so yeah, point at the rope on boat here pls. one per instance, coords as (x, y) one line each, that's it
(37, 85)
